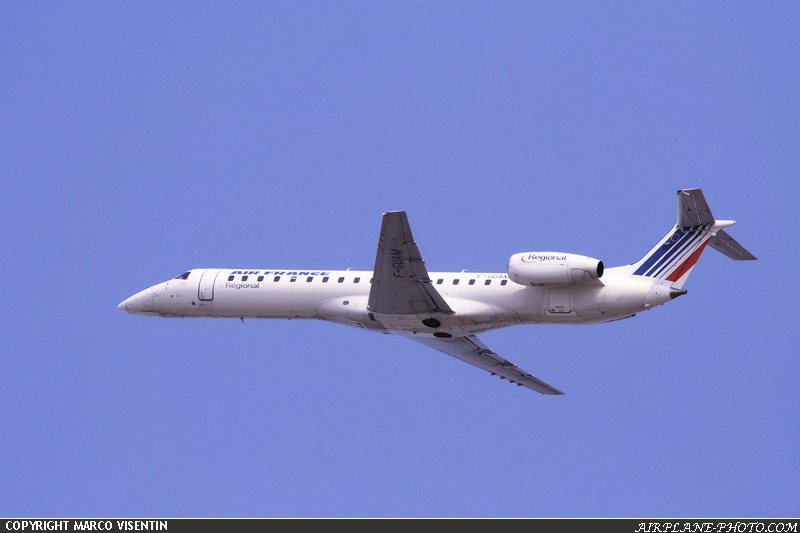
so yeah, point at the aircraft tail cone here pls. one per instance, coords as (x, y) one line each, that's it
(674, 293)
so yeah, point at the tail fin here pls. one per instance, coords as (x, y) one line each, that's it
(673, 258)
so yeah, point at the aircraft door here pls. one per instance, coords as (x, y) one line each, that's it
(558, 303)
(205, 290)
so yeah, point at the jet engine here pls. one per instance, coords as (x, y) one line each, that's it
(553, 268)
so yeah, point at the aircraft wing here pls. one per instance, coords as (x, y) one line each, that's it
(400, 282)
(471, 350)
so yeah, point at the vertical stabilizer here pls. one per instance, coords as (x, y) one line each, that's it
(673, 258)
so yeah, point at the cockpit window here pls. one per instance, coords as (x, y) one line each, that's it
(185, 275)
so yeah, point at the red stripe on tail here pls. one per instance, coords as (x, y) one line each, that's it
(689, 263)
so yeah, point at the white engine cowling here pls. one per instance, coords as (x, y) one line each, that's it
(552, 268)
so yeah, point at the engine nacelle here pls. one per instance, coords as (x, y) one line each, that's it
(553, 268)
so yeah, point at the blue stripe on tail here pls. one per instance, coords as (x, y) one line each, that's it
(673, 247)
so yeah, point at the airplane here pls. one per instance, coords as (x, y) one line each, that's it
(447, 310)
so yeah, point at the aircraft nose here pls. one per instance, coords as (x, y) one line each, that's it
(136, 304)
(145, 302)
(127, 305)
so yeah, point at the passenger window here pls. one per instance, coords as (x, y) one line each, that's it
(230, 278)
(356, 280)
(325, 279)
(309, 278)
(293, 279)
(504, 282)
(455, 282)
(260, 278)
(488, 281)
(244, 278)
(439, 281)
(341, 280)
(472, 282)
(277, 278)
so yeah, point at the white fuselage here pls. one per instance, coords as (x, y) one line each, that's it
(446, 310)
(481, 302)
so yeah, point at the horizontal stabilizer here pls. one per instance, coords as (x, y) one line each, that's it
(693, 209)
(722, 242)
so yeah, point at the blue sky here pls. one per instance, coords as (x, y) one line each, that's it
(138, 140)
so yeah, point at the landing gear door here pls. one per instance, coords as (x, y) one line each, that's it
(205, 291)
